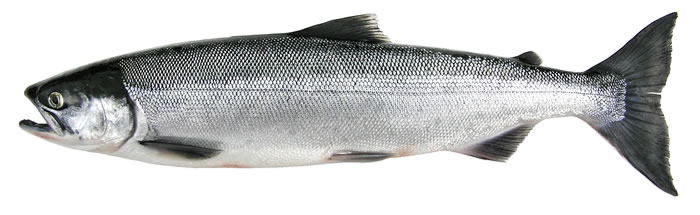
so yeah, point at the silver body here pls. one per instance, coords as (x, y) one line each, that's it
(340, 91)
(282, 101)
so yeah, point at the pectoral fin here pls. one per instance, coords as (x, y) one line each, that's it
(183, 147)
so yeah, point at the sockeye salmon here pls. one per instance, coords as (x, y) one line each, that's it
(341, 92)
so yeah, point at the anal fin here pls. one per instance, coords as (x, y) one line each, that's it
(500, 147)
(355, 156)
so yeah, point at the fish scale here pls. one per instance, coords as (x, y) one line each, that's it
(387, 98)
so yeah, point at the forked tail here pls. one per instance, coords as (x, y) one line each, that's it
(642, 135)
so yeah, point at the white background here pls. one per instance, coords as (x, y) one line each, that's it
(563, 167)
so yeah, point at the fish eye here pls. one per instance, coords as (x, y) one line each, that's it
(55, 100)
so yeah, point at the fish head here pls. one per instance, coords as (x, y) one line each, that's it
(86, 108)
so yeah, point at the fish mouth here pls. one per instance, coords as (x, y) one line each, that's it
(52, 129)
(40, 130)
(48, 132)
(29, 125)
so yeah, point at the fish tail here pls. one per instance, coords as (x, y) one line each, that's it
(641, 136)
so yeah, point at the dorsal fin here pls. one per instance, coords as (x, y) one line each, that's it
(529, 57)
(500, 147)
(361, 28)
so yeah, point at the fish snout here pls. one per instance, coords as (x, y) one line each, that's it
(31, 92)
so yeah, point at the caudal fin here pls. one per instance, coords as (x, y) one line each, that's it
(642, 135)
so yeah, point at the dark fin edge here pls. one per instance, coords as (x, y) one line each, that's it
(642, 136)
(529, 57)
(500, 147)
(361, 28)
(356, 156)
